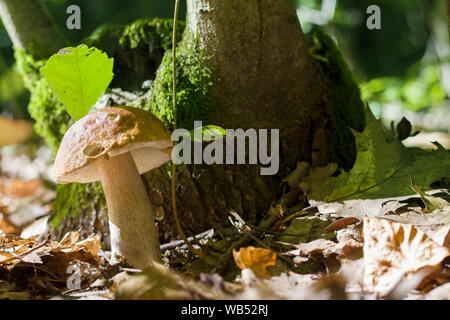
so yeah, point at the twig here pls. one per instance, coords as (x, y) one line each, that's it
(175, 244)
(246, 229)
(22, 255)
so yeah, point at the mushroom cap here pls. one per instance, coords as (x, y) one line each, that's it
(108, 133)
(14, 131)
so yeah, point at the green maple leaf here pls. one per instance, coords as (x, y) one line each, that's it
(78, 77)
(382, 169)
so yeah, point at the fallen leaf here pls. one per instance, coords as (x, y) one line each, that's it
(161, 283)
(375, 175)
(255, 259)
(439, 293)
(7, 226)
(21, 189)
(393, 251)
(341, 224)
(431, 203)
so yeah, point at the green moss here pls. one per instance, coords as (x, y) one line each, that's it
(137, 49)
(194, 80)
(154, 33)
(74, 199)
(51, 119)
(341, 95)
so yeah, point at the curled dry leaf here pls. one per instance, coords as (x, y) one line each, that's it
(255, 259)
(393, 251)
(341, 224)
(44, 265)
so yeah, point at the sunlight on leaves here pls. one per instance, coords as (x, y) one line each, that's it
(78, 77)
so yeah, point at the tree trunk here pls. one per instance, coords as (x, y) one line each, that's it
(262, 77)
(31, 27)
(260, 62)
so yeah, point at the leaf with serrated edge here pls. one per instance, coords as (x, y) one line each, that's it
(78, 77)
(382, 169)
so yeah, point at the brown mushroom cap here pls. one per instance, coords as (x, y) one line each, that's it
(108, 133)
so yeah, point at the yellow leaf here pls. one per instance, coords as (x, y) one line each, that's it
(255, 259)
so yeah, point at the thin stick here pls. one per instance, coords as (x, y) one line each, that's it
(179, 243)
(174, 172)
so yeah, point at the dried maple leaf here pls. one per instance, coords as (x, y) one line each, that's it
(255, 259)
(393, 251)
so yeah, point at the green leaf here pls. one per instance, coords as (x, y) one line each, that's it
(209, 133)
(382, 169)
(78, 77)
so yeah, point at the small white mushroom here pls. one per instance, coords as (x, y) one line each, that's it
(117, 145)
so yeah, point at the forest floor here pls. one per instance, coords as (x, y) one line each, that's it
(390, 248)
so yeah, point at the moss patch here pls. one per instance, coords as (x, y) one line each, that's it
(52, 121)
(194, 80)
(137, 49)
(341, 96)
(74, 199)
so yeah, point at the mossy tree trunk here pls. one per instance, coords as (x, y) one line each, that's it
(31, 27)
(260, 62)
(261, 76)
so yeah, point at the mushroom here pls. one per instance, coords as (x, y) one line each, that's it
(116, 145)
(14, 132)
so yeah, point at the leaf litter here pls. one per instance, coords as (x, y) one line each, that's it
(388, 238)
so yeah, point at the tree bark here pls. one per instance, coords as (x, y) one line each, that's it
(259, 59)
(31, 27)
(263, 77)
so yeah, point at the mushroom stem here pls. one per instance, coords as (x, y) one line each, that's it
(134, 234)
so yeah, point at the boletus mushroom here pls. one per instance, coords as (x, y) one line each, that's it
(116, 145)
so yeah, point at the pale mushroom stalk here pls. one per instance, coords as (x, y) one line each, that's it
(134, 235)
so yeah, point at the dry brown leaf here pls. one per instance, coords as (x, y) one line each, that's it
(7, 226)
(326, 248)
(341, 224)
(21, 189)
(393, 251)
(435, 225)
(255, 259)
